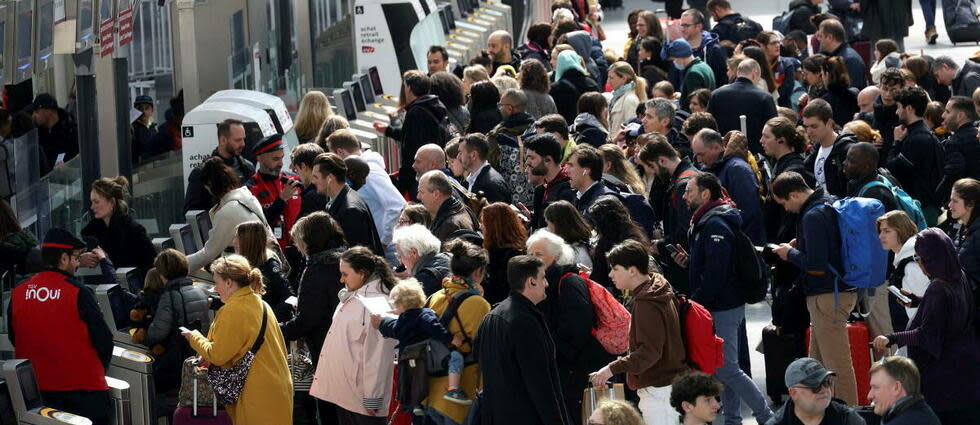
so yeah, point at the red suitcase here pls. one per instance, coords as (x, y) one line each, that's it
(859, 338)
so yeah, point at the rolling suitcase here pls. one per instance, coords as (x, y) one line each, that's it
(861, 355)
(961, 21)
(779, 351)
(200, 415)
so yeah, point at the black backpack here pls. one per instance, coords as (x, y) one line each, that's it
(783, 22)
(751, 272)
(746, 29)
(447, 131)
(419, 361)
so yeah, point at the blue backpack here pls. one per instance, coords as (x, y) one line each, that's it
(911, 206)
(865, 261)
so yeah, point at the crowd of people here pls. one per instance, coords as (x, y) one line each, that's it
(545, 191)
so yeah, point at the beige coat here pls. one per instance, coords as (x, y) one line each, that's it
(622, 111)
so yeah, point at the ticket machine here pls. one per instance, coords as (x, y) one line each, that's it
(20, 383)
(364, 130)
(361, 104)
(183, 238)
(121, 335)
(164, 243)
(200, 224)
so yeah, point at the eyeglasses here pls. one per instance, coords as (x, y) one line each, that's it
(503, 104)
(687, 25)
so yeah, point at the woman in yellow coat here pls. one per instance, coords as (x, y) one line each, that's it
(267, 398)
(468, 268)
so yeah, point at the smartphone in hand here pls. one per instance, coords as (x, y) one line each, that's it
(184, 330)
(898, 294)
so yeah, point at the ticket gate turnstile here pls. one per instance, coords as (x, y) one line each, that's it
(121, 403)
(121, 337)
(135, 367)
(25, 397)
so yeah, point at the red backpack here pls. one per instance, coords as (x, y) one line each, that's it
(704, 349)
(612, 325)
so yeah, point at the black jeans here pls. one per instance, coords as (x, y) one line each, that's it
(94, 405)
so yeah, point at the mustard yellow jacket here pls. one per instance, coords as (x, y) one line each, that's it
(470, 314)
(267, 398)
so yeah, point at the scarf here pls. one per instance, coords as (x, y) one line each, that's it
(623, 89)
(705, 208)
(461, 282)
(568, 60)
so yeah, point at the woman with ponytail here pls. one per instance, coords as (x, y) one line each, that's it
(468, 269)
(267, 397)
(355, 368)
(628, 91)
(123, 239)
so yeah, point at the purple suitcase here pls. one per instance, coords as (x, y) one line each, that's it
(196, 415)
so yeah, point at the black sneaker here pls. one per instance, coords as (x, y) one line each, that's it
(931, 36)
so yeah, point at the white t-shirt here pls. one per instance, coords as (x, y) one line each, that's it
(822, 155)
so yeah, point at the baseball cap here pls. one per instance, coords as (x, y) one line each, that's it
(806, 371)
(42, 101)
(141, 99)
(676, 49)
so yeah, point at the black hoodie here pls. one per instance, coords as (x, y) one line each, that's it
(566, 92)
(421, 126)
(803, 10)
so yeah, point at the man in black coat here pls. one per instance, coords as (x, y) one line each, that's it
(585, 176)
(423, 123)
(886, 111)
(962, 149)
(473, 151)
(833, 42)
(517, 355)
(57, 132)
(916, 159)
(301, 160)
(660, 157)
(731, 26)
(544, 155)
(743, 97)
(346, 206)
(231, 144)
(964, 80)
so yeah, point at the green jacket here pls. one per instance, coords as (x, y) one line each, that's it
(697, 75)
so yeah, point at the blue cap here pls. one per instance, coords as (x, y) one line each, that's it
(676, 49)
(141, 99)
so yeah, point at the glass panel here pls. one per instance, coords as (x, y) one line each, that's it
(86, 19)
(25, 21)
(333, 44)
(45, 28)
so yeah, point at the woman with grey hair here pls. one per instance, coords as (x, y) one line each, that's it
(568, 310)
(418, 250)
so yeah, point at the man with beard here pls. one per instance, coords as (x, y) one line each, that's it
(277, 191)
(544, 155)
(231, 143)
(811, 391)
(500, 48)
(658, 156)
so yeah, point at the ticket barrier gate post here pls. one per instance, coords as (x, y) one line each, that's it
(136, 369)
(120, 337)
(25, 397)
(119, 392)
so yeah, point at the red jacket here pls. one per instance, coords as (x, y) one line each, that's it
(280, 214)
(60, 328)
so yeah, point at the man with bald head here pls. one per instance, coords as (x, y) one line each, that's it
(500, 48)
(449, 215)
(429, 157)
(866, 104)
(756, 104)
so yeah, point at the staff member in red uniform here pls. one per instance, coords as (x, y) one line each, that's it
(55, 322)
(277, 191)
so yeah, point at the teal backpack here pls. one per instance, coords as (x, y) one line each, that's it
(905, 202)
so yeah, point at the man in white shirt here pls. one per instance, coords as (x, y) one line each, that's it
(827, 161)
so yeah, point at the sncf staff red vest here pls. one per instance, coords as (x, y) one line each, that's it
(49, 331)
(266, 189)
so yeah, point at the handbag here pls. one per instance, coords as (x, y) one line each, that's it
(300, 366)
(194, 387)
(228, 383)
(437, 353)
